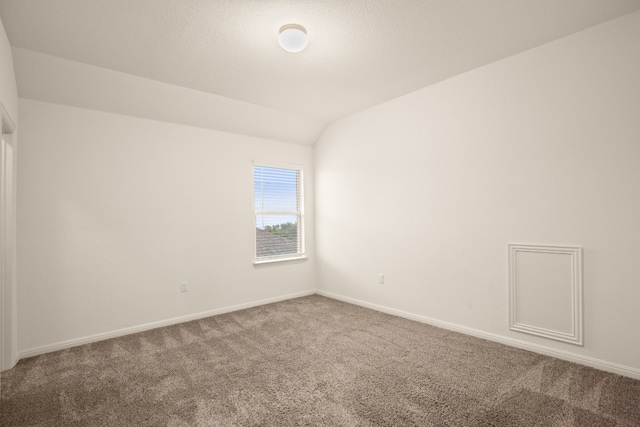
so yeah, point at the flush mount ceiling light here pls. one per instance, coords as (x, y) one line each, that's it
(293, 37)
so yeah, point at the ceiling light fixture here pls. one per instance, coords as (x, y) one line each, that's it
(293, 37)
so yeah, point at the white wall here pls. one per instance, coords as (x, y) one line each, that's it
(8, 288)
(115, 211)
(61, 81)
(8, 88)
(540, 148)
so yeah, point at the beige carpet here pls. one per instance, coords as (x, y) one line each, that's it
(310, 361)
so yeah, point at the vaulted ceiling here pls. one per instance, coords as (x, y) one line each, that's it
(360, 52)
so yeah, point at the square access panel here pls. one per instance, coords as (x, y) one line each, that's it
(545, 291)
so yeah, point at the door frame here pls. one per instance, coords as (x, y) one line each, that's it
(7, 241)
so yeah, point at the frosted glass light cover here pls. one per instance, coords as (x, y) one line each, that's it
(293, 38)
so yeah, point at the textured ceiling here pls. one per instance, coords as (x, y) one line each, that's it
(360, 52)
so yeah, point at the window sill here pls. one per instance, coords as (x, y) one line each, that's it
(280, 261)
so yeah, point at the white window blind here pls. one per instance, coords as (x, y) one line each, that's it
(279, 213)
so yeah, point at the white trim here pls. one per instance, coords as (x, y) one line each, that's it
(299, 213)
(279, 261)
(7, 127)
(153, 325)
(547, 351)
(279, 165)
(3, 243)
(573, 337)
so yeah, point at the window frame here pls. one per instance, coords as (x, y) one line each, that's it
(300, 255)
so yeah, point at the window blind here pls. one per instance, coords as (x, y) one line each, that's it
(278, 212)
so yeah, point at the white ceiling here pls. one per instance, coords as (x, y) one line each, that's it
(360, 52)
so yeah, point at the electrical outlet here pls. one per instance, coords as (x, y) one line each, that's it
(183, 286)
(381, 278)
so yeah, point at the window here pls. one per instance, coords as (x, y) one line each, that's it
(279, 212)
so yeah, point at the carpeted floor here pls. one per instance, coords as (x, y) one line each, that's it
(310, 361)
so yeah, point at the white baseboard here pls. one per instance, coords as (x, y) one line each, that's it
(547, 351)
(560, 354)
(147, 326)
